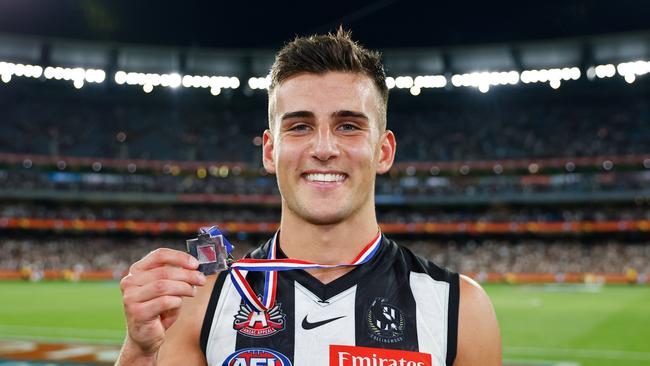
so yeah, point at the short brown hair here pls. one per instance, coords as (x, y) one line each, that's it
(318, 54)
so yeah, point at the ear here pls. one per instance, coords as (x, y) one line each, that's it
(267, 152)
(387, 152)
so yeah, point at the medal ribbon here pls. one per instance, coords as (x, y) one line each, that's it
(272, 265)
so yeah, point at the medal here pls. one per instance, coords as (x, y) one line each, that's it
(211, 250)
(270, 266)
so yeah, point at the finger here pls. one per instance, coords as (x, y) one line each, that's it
(168, 273)
(158, 288)
(152, 309)
(165, 256)
(169, 317)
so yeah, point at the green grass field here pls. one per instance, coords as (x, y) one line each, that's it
(589, 326)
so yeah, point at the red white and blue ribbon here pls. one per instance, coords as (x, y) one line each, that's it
(272, 265)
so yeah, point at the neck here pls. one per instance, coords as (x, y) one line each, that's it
(338, 243)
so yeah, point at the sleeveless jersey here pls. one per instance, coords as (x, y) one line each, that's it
(395, 310)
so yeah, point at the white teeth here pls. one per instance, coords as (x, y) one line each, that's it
(320, 177)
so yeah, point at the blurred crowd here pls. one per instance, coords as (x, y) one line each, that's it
(386, 185)
(541, 256)
(501, 256)
(386, 214)
(143, 129)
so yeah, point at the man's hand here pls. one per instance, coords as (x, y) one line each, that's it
(152, 293)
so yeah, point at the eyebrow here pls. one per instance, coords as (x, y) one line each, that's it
(297, 114)
(336, 114)
(346, 113)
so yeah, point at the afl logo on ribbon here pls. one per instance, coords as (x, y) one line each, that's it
(257, 357)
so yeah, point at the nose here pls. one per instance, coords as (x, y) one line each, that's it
(324, 145)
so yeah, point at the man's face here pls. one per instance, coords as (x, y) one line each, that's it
(325, 145)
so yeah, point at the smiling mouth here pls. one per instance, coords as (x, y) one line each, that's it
(325, 177)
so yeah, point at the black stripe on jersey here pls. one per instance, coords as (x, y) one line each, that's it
(452, 317)
(393, 290)
(209, 313)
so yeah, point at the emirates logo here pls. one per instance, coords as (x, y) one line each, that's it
(257, 325)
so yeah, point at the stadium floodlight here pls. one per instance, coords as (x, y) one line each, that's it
(215, 91)
(552, 76)
(256, 83)
(390, 82)
(187, 81)
(457, 80)
(147, 88)
(605, 71)
(415, 90)
(485, 80)
(630, 70)
(234, 82)
(175, 80)
(19, 70)
(8, 70)
(120, 77)
(404, 82)
(430, 81)
(78, 84)
(157, 79)
(555, 83)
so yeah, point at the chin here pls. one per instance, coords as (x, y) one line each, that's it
(320, 217)
(322, 220)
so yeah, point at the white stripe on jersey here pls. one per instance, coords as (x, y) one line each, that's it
(312, 345)
(222, 339)
(431, 304)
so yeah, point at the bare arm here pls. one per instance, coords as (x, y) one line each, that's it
(479, 340)
(182, 340)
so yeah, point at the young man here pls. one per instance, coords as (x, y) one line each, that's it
(327, 140)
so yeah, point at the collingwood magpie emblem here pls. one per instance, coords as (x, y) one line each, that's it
(386, 322)
(258, 325)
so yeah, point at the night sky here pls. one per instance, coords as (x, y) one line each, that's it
(268, 24)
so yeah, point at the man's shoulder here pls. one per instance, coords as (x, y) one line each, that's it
(479, 340)
(419, 263)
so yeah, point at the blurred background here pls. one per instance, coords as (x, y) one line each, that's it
(523, 160)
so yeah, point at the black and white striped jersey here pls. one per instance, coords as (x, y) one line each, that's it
(396, 309)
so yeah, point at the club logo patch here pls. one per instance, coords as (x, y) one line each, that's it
(386, 322)
(258, 325)
(256, 357)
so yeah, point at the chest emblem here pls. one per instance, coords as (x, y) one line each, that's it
(385, 322)
(257, 325)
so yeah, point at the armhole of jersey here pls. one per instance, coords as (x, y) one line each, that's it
(209, 313)
(452, 318)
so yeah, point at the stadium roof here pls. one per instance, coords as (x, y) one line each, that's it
(267, 24)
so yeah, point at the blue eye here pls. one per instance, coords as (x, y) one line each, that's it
(348, 127)
(299, 127)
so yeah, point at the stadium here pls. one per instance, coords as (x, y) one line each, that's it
(523, 159)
